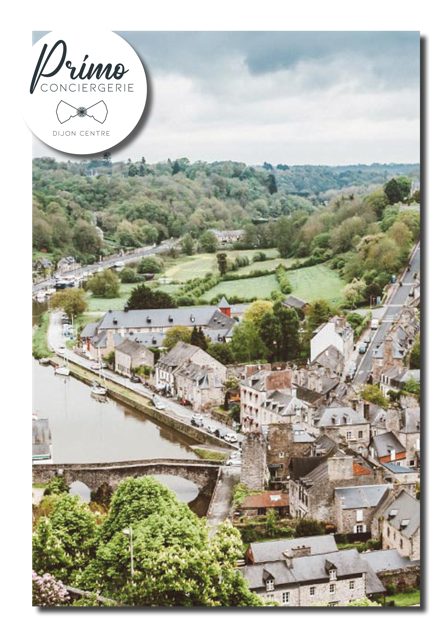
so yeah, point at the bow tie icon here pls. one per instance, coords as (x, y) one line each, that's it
(97, 111)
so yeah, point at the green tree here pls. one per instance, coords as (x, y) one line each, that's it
(86, 238)
(256, 311)
(149, 265)
(318, 312)
(413, 387)
(221, 351)
(247, 346)
(414, 359)
(354, 293)
(175, 335)
(279, 330)
(222, 263)
(187, 244)
(72, 301)
(198, 338)
(284, 236)
(308, 527)
(105, 284)
(129, 275)
(143, 297)
(208, 242)
(272, 184)
(372, 393)
(65, 542)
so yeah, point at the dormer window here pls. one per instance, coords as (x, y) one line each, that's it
(115, 321)
(170, 319)
(192, 318)
(269, 585)
(148, 320)
(332, 574)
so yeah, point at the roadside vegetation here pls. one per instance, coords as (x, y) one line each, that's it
(40, 344)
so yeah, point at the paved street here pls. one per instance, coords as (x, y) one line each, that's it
(222, 500)
(88, 269)
(392, 311)
(57, 340)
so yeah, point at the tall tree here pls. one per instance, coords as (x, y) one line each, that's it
(72, 301)
(222, 263)
(198, 338)
(143, 297)
(175, 335)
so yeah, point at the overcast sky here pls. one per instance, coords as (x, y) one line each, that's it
(281, 97)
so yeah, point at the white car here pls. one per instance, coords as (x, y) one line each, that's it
(96, 366)
(236, 455)
(230, 437)
(233, 463)
(159, 405)
(61, 351)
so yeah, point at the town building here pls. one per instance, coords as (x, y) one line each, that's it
(387, 448)
(67, 264)
(129, 355)
(398, 523)
(314, 480)
(344, 425)
(229, 237)
(258, 504)
(200, 385)
(257, 389)
(355, 506)
(284, 442)
(336, 333)
(303, 580)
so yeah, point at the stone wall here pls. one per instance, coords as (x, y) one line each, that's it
(253, 468)
(401, 579)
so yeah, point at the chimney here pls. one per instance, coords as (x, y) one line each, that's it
(393, 420)
(366, 410)
(340, 468)
(388, 351)
(298, 552)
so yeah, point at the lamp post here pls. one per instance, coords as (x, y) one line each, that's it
(128, 532)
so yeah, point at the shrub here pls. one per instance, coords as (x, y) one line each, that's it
(48, 592)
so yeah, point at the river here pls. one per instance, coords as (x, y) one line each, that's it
(85, 429)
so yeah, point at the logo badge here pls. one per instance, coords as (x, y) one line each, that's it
(85, 91)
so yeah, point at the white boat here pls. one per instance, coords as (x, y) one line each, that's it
(98, 390)
(62, 371)
(44, 361)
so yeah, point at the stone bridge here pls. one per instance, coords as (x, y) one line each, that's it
(93, 475)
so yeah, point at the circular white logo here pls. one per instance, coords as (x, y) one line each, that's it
(85, 91)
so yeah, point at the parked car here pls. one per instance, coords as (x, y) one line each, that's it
(368, 340)
(61, 351)
(230, 437)
(363, 348)
(159, 405)
(235, 455)
(233, 463)
(96, 366)
(197, 420)
(210, 428)
(217, 433)
(135, 378)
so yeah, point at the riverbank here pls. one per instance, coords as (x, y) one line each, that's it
(40, 344)
(140, 403)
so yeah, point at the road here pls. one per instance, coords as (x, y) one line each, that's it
(221, 504)
(56, 340)
(90, 268)
(392, 311)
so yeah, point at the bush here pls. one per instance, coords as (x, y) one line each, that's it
(309, 527)
(48, 592)
(283, 281)
(56, 486)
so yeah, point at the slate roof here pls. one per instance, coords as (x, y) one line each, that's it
(273, 550)
(207, 316)
(337, 416)
(387, 560)
(362, 497)
(384, 443)
(200, 375)
(306, 395)
(129, 347)
(282, 403)
(395, 468)
(407, 516)
(90, 330)
(293, 301)
(310, 569)
(180, 353)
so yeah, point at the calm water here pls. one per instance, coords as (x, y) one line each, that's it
(85, 429)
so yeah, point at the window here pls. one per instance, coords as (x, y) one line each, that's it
(312, 591)
(401, 543)
(269, 596)
(281, 454)
(269, 585)
(349, 435)
(359, 528)
(332, 574)
(359, 515)
(332, 588)
(388, 531)
(360, 435)
(351, 585)
(285, 597)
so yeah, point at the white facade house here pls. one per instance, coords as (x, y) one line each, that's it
(334, 333)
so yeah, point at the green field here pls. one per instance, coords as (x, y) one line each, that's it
(197, 266)
(405, 599)
(309, 284)
(267, 265)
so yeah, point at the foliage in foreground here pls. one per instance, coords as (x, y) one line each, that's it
(175, 561)
(48, 592)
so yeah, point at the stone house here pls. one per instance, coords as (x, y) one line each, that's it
(344, 425)
(314, 480)
(392, 568)
(175, 358)
(229, 237)
(273, 550)
(409, 436)
(67, 264)
(129, 355)
(284, 442)
(337, 333)
(398, 521)
(254, 392)
(202, 385)
(280, 407)
(389, 356)
(355, 506)
(42, 264)
(303, 580)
